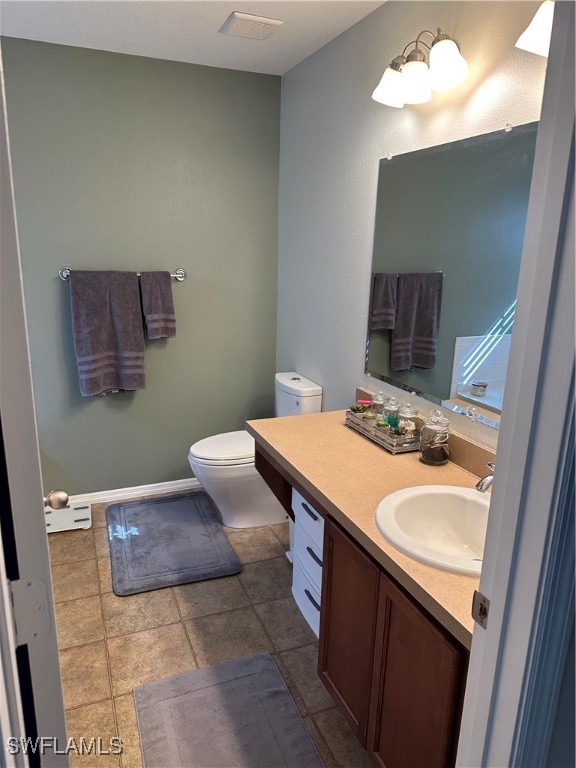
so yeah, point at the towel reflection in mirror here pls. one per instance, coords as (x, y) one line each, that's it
(409, 305)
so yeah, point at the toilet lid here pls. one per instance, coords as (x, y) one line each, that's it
(230, 446)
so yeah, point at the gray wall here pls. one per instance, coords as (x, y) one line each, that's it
(333, 137)
(131, 163)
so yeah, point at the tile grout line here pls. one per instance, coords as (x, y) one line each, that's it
(139, 631)
(89, 704)
(66, 533)
(106, 650)
(81, 597)
(183, 622)
(277, 536)
(325, 742)
(108, 663)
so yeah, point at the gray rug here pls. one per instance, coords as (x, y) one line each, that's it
(157, 543)
(238, 714)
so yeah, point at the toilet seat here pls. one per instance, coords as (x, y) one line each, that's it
(227, 449)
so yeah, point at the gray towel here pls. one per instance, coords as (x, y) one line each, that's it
(383, 307)
(415, 335)
(107, 330)
(158, 304)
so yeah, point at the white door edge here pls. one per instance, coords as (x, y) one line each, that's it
(38, 663)
(532, 452)
(11, 718)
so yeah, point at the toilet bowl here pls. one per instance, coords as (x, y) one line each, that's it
(224, 464)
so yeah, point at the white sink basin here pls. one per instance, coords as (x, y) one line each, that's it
(440, 525)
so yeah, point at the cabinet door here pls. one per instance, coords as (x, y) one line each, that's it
(418, 686)
(348, 626)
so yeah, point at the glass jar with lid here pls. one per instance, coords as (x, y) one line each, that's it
(407, 415)
(434, 439)
(391, 409)
(378, 403)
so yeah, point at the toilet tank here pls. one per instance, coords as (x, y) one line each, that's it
(295, 394)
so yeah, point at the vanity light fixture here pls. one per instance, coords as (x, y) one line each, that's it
(411, 77)
(536, 37)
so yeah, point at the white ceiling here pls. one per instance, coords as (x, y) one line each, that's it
(186, 30)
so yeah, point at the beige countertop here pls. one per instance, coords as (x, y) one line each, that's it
(349, 475)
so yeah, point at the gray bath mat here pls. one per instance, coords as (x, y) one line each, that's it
(157, 543)
(238, 714)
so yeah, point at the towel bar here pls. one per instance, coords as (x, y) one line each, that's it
(179, 274)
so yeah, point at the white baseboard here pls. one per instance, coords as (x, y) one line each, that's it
(78, 513)
(136, 491)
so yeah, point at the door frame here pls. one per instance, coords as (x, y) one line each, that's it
(11, 716)
(29, 648)
(517, 662)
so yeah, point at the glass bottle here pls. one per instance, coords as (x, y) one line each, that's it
(434, 439)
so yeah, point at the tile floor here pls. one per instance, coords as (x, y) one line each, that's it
(109, 644)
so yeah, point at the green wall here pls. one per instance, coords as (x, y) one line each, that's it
(131, 163)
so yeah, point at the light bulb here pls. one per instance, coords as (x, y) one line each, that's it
(448, 68)
(416, 82)
(389, 89)
(536, 38)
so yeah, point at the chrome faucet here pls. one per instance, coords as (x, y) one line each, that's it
(485, 482)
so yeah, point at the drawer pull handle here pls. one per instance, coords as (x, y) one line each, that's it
(314, 556)
(309, 596)
(307, 509)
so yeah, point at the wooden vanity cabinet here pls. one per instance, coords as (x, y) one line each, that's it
(397, 676)
(417, 687)
(348, 614)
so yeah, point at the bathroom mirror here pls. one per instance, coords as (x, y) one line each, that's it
(459, 209)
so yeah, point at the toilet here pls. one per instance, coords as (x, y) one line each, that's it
(224, 464)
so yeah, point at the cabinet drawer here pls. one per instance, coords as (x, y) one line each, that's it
(309, 556)
(311, 520)
(306, 596)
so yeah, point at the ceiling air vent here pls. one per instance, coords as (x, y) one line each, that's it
(247, 25)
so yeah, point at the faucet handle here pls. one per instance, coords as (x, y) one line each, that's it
(491, 466)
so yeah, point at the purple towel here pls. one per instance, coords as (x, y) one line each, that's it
(158, 304)
(383, 307)
(415, 335)
(107, 331)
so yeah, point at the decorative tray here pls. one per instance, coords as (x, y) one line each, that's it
(378, 435)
